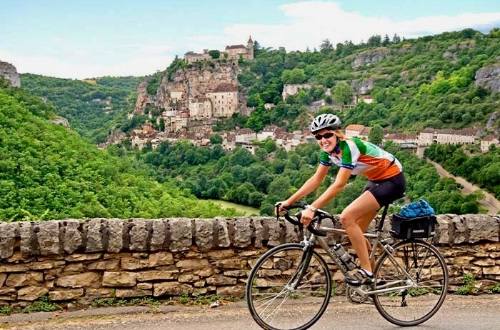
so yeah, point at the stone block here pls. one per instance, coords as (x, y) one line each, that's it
(443, 229)
(292, 234)
(99, 293)
(482, 227)
(114, 229)
(259, 232)
(139, 235)
(222, 233)
(158, 235)
(236, 273)
(74, 268)
(31, 293)
(181, 237)
(72, 237)
(204, 233)
(4, 291)
(187, 278)
(145, 286)
(129, 263)
(47, 234)
(160, 259)
(88, 279)
(221, 254)
(83, 257)
(233, 263)
(27, 237)
(154, 275)
(192, 264)
(199, 284)
(60, 295)
(494, 271)
(24, 279)
(94, 236)
(242, 232)
(274, 231)
(237, 291)
(171, 289)
(206, 272)
(218, 280)
(119, 279)
(460, 231)
(8, 233)
(104, 265)
(129, 293)
(43, 265)
(16, 268)
(2, 279)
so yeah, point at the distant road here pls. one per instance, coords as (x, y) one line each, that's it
(458, 312)
(489, 201)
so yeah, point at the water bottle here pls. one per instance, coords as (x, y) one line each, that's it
(344, 256)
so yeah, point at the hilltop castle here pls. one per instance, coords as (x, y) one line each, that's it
(231, 52)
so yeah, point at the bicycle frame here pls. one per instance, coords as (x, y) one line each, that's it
(376, 240)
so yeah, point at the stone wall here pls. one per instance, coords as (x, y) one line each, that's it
(79, 261)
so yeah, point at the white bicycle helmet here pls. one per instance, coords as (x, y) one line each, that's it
(326, 120)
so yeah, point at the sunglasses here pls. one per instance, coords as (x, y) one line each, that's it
(326, 136)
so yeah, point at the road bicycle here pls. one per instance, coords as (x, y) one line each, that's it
(290, 285)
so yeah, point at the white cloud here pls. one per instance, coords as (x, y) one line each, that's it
(79, 63)
(311, 22)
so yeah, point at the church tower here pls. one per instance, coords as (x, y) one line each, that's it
(250, 48)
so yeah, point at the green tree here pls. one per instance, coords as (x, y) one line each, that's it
(215, 54)
(326, 46)
(216, 139)
(342, 93)
(376, 135)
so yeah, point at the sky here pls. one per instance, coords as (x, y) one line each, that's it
(93, 38)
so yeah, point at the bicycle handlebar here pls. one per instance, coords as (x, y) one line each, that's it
(295, 219)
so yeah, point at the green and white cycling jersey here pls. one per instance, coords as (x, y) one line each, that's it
(363, 158)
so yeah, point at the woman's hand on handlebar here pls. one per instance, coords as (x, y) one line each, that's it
(282, 207)
(306, 216)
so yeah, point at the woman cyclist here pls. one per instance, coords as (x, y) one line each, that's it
(354, 157)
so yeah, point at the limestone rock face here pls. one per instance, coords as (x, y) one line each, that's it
(370, 57)
(9, 72)
(489, 77)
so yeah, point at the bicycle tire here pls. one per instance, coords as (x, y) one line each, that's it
(415, 305)
(280, 306)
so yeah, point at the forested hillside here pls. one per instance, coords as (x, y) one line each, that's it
(49, 172)
(417, 83)
(93, 107)
(482, 169)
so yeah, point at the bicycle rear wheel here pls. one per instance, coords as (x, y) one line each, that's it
(288, 288)
(420, 268)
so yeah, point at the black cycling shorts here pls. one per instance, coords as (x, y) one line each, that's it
(388, 190)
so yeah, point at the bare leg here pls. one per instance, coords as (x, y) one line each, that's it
(363, 223)
(361, 208)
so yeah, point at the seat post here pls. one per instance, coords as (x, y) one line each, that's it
(384, 214)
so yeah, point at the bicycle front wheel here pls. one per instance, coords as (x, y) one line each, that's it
(288, 288)
(416, 279)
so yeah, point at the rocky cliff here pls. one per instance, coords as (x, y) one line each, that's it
(9, 72)
(489, 77)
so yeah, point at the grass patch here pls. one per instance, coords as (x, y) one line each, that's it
(41, 305)
(5, 310)
(115, 302)
(469, 285)
(495, 288)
